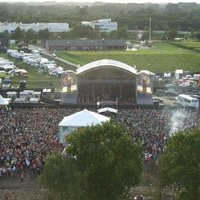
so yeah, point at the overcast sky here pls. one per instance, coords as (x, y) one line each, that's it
(113, 1)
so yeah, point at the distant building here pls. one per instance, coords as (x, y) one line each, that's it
(52, 27)
(85, 44)
(103, 25)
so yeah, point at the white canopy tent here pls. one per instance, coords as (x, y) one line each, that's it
(77, 120)
(3, 101)
(107, 109)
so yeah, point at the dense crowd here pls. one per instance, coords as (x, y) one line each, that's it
(27, 136)
(153, 127)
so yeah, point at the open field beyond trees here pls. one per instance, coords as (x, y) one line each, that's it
(161, 57)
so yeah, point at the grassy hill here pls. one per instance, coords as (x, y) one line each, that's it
(159, 58)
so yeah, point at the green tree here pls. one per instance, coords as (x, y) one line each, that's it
(5, 34)
(83, 31)
(104, 35)
(145, 35)
(198, 36)
(103, 160)
(122, 33)
(112, 34)
(180, 164)
(172, 34)
(83, 11)
(65, 35)
(18, 34)
(61, 177)
(172, 8)
(31, 35)
(44, 34)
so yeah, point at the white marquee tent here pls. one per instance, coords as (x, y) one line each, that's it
(3, 101)
(77, 120)
(107, 109)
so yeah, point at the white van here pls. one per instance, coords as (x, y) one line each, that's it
(187, 101)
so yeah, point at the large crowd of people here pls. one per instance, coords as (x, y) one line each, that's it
(27, 136)
(153, 127)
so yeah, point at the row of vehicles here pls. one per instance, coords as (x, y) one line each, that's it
(184, 95)
(5, 67)
(8, 69)
(181, 96)
(5, 76)
(35, 60)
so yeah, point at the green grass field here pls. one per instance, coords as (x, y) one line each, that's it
(190, 44)
(161, 57)
(195, 46)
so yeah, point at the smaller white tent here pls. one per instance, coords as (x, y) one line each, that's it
(107, 109)
(77, 120)
(3, 101)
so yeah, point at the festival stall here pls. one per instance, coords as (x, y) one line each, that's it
(78, 120)
(3, 101)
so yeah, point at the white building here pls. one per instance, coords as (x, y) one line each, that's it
(178, 74)
(103, 25)
(52, 27)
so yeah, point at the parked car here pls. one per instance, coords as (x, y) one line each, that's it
(57, 73)
(6, 83)
(53, 54)
(23, 73)
(171, 93)
(19, 72)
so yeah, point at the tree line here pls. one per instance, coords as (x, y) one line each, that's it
(181, 16)
(167, 21)
(102, 162)
(82, 31)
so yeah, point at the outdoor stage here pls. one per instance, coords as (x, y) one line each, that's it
(106, 80)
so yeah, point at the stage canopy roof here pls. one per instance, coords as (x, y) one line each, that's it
(106, 62)
(82, 119)
(146, 72)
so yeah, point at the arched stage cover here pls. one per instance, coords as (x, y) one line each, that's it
(106, 62)
(77, 120)
(108, 80)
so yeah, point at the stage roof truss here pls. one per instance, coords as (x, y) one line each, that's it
(106, 63)
(104, 81)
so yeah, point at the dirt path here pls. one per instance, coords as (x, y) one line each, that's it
(28, 189)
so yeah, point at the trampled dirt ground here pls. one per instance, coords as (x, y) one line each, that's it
(28, 189)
